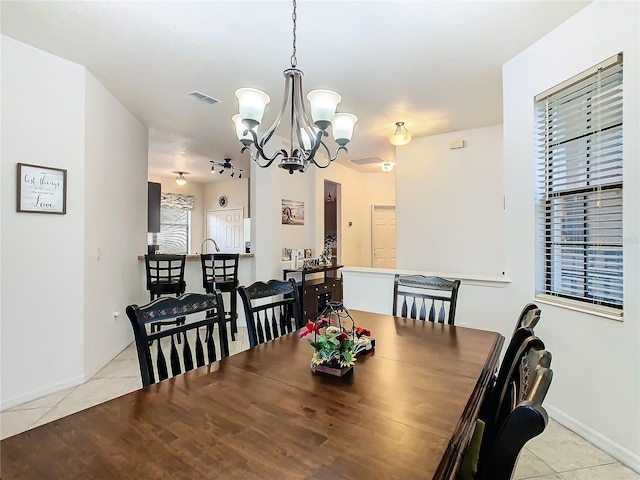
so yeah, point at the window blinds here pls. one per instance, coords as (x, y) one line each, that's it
(579, 218)
(177, 201)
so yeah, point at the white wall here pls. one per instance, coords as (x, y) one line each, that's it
(236, 191)
(359, 191)
(596, 361)
(116, 152)
(57, 323)
(169, 185)
(449, 203)
(43, 104)
(268, 187)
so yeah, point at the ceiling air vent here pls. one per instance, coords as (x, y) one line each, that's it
(367, 161)
(202, 97)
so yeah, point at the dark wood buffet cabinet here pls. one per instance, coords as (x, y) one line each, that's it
(316, 292)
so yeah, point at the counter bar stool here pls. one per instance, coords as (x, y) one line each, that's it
(165, 276)
(220, 272)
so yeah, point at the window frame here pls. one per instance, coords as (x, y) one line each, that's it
(553, 273)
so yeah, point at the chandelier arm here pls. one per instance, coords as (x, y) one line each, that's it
(259, 152)
(331, 159)
(310, 156)
(268, 134)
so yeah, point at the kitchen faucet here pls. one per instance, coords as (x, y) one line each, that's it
(209, 240)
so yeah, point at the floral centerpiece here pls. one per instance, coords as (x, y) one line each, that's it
(335, 340)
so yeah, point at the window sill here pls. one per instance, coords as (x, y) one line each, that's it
(598, 311)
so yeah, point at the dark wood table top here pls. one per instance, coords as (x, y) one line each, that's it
(405, 412)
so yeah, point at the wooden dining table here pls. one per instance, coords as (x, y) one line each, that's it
(406, 411)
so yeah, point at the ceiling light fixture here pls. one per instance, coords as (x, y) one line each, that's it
(387, 166)
(401, 136)
(305, 135)
(226, 165)
(180, 180)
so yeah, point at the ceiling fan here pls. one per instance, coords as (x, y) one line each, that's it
(226, 165)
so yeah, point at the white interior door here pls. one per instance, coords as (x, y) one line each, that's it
(383, 236)
(226, 227)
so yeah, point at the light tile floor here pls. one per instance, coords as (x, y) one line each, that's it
(557, 454)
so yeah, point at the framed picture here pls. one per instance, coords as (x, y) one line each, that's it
(292, 212)
(307, 253)
(41, 189)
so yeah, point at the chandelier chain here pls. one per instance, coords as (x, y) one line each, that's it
(294, 17)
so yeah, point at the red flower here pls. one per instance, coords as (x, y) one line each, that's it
(362, 331)
(312, 327)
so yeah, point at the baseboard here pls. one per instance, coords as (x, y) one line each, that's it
(620, 453)
(41, 392)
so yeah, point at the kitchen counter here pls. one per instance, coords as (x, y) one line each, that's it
(196, 256)
(193, 277)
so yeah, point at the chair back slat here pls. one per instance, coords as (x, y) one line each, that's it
(259, 329)
(186, 353)
(161, 363)
(419, 288)
(423, 310)
(267, 326)
(271, 309)
(196, 311)
(274, 323)
(199, 349)
(175, 359)
(211, 346)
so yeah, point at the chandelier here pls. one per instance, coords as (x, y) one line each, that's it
(306, 134)
(226, 165)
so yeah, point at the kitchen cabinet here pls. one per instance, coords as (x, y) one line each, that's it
(315, 293)
(153, 207)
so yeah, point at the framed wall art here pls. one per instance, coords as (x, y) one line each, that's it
(41, 189)
(292, 212)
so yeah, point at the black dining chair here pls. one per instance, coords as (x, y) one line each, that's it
(436, 294)
(494, 457)
(202, 315)
(271, 309)
(220, 272)
(524, 355)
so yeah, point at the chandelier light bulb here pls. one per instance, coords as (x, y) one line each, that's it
(323, 106)
(240, 129)
(343, 124)
(401, 136)
(252, 103)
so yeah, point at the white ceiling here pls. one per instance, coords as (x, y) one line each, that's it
(436, 65)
